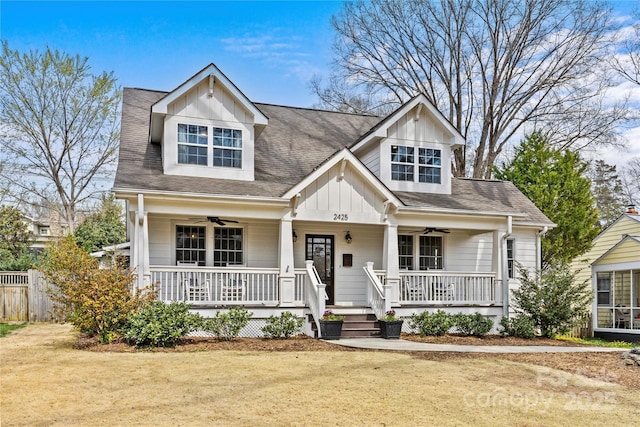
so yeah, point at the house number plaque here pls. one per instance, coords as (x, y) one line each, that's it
(340, 217)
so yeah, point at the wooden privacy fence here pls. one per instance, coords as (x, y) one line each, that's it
(23, 297)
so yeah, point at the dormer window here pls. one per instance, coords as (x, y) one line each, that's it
(227, 147)
(192, 144)
(403, 164)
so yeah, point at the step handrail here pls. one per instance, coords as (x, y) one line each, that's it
(316, 294)
(379, 295)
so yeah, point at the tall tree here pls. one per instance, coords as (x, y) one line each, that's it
(102, 228)
(627, 61)
(631, 181)
(492, 67)
(607, 191)
(60, 128)
(555, 181)
(15, 236)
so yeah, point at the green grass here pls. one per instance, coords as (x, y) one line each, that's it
(599, 342)
(6, 328)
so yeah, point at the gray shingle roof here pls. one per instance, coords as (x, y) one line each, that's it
(295, 142)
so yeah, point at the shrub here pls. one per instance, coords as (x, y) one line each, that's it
(552, 299)
(426, 323)
(97, 301)
(521, 327)
(472, 324)
(282, 327)
(227, 326)
(160, 325)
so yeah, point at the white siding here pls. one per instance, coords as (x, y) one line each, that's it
(468, 252)
(371, 159)
(329, 198)
(350, 282)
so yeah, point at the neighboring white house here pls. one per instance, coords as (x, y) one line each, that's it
(231, 202)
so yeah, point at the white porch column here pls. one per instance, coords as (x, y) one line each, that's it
(497, 262)
(287, 273)
(141, 234)
(390, 261)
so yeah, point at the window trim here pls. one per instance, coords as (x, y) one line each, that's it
(243, 251)
(608, 292)
(416, 252)
(511, 261)
(415, 164)
(203, 250)
(211, 146)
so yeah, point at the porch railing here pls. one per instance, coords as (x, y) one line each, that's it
(445, 287)
(316, 294)
(217, 285)
(377, 293)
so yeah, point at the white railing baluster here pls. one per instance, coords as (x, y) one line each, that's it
(433, 287)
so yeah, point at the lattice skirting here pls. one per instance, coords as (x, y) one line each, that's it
(252, 330)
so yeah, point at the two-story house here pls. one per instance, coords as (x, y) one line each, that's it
(231, 202)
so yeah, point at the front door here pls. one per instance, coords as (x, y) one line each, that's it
(320, 250)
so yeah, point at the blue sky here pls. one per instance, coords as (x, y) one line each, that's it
(270, 50)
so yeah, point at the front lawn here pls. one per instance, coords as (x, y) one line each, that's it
(45, 381)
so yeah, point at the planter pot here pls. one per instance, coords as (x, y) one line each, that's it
(330, 329)
(390, 329)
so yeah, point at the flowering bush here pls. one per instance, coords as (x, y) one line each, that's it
(390, 316)
(329, 315)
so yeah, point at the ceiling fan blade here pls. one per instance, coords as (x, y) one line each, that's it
(428, 230)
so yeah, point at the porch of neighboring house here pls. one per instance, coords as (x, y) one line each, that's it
(617, 303)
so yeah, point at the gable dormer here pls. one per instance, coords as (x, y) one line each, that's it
(207, 128)
(411, 149)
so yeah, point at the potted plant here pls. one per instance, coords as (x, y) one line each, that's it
(390, 325)
(331, 325)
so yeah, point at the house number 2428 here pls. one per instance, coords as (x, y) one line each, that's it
(340, 217)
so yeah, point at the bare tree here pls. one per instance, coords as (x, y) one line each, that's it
(627, 62)
(630, 176)
(492, 67)
(60, 128)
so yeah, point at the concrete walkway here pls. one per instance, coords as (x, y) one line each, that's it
(404, 345)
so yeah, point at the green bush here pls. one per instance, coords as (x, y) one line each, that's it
(282, 327)
(552, 299)
(96, 300)
(521, 327)
(161, 325)
(227, 326)
(426, 323)
(472, 324)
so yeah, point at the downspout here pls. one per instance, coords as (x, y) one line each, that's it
(505, 268)
(539, 237)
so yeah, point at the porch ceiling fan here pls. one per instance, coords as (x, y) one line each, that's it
(216, 220)
(428, 230)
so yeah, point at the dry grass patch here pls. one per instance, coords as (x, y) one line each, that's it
(47, 382)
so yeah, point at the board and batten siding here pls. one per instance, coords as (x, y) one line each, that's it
(329, 196)
(371, 159)
(424, 129)
(222, 106)
(624, 225)
(261, 241)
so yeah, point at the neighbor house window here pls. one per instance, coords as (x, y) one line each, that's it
(429, 165)
(227, 147)
(402, 163)
(228, 246)
(192, 144)
(604, 289)
(405, 250)
(431, 252)
(45, 231)
(511, 257)
(190, 244)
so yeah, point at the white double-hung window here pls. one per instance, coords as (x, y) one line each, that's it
(404, 163)
(227, 147)
(194, 146)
